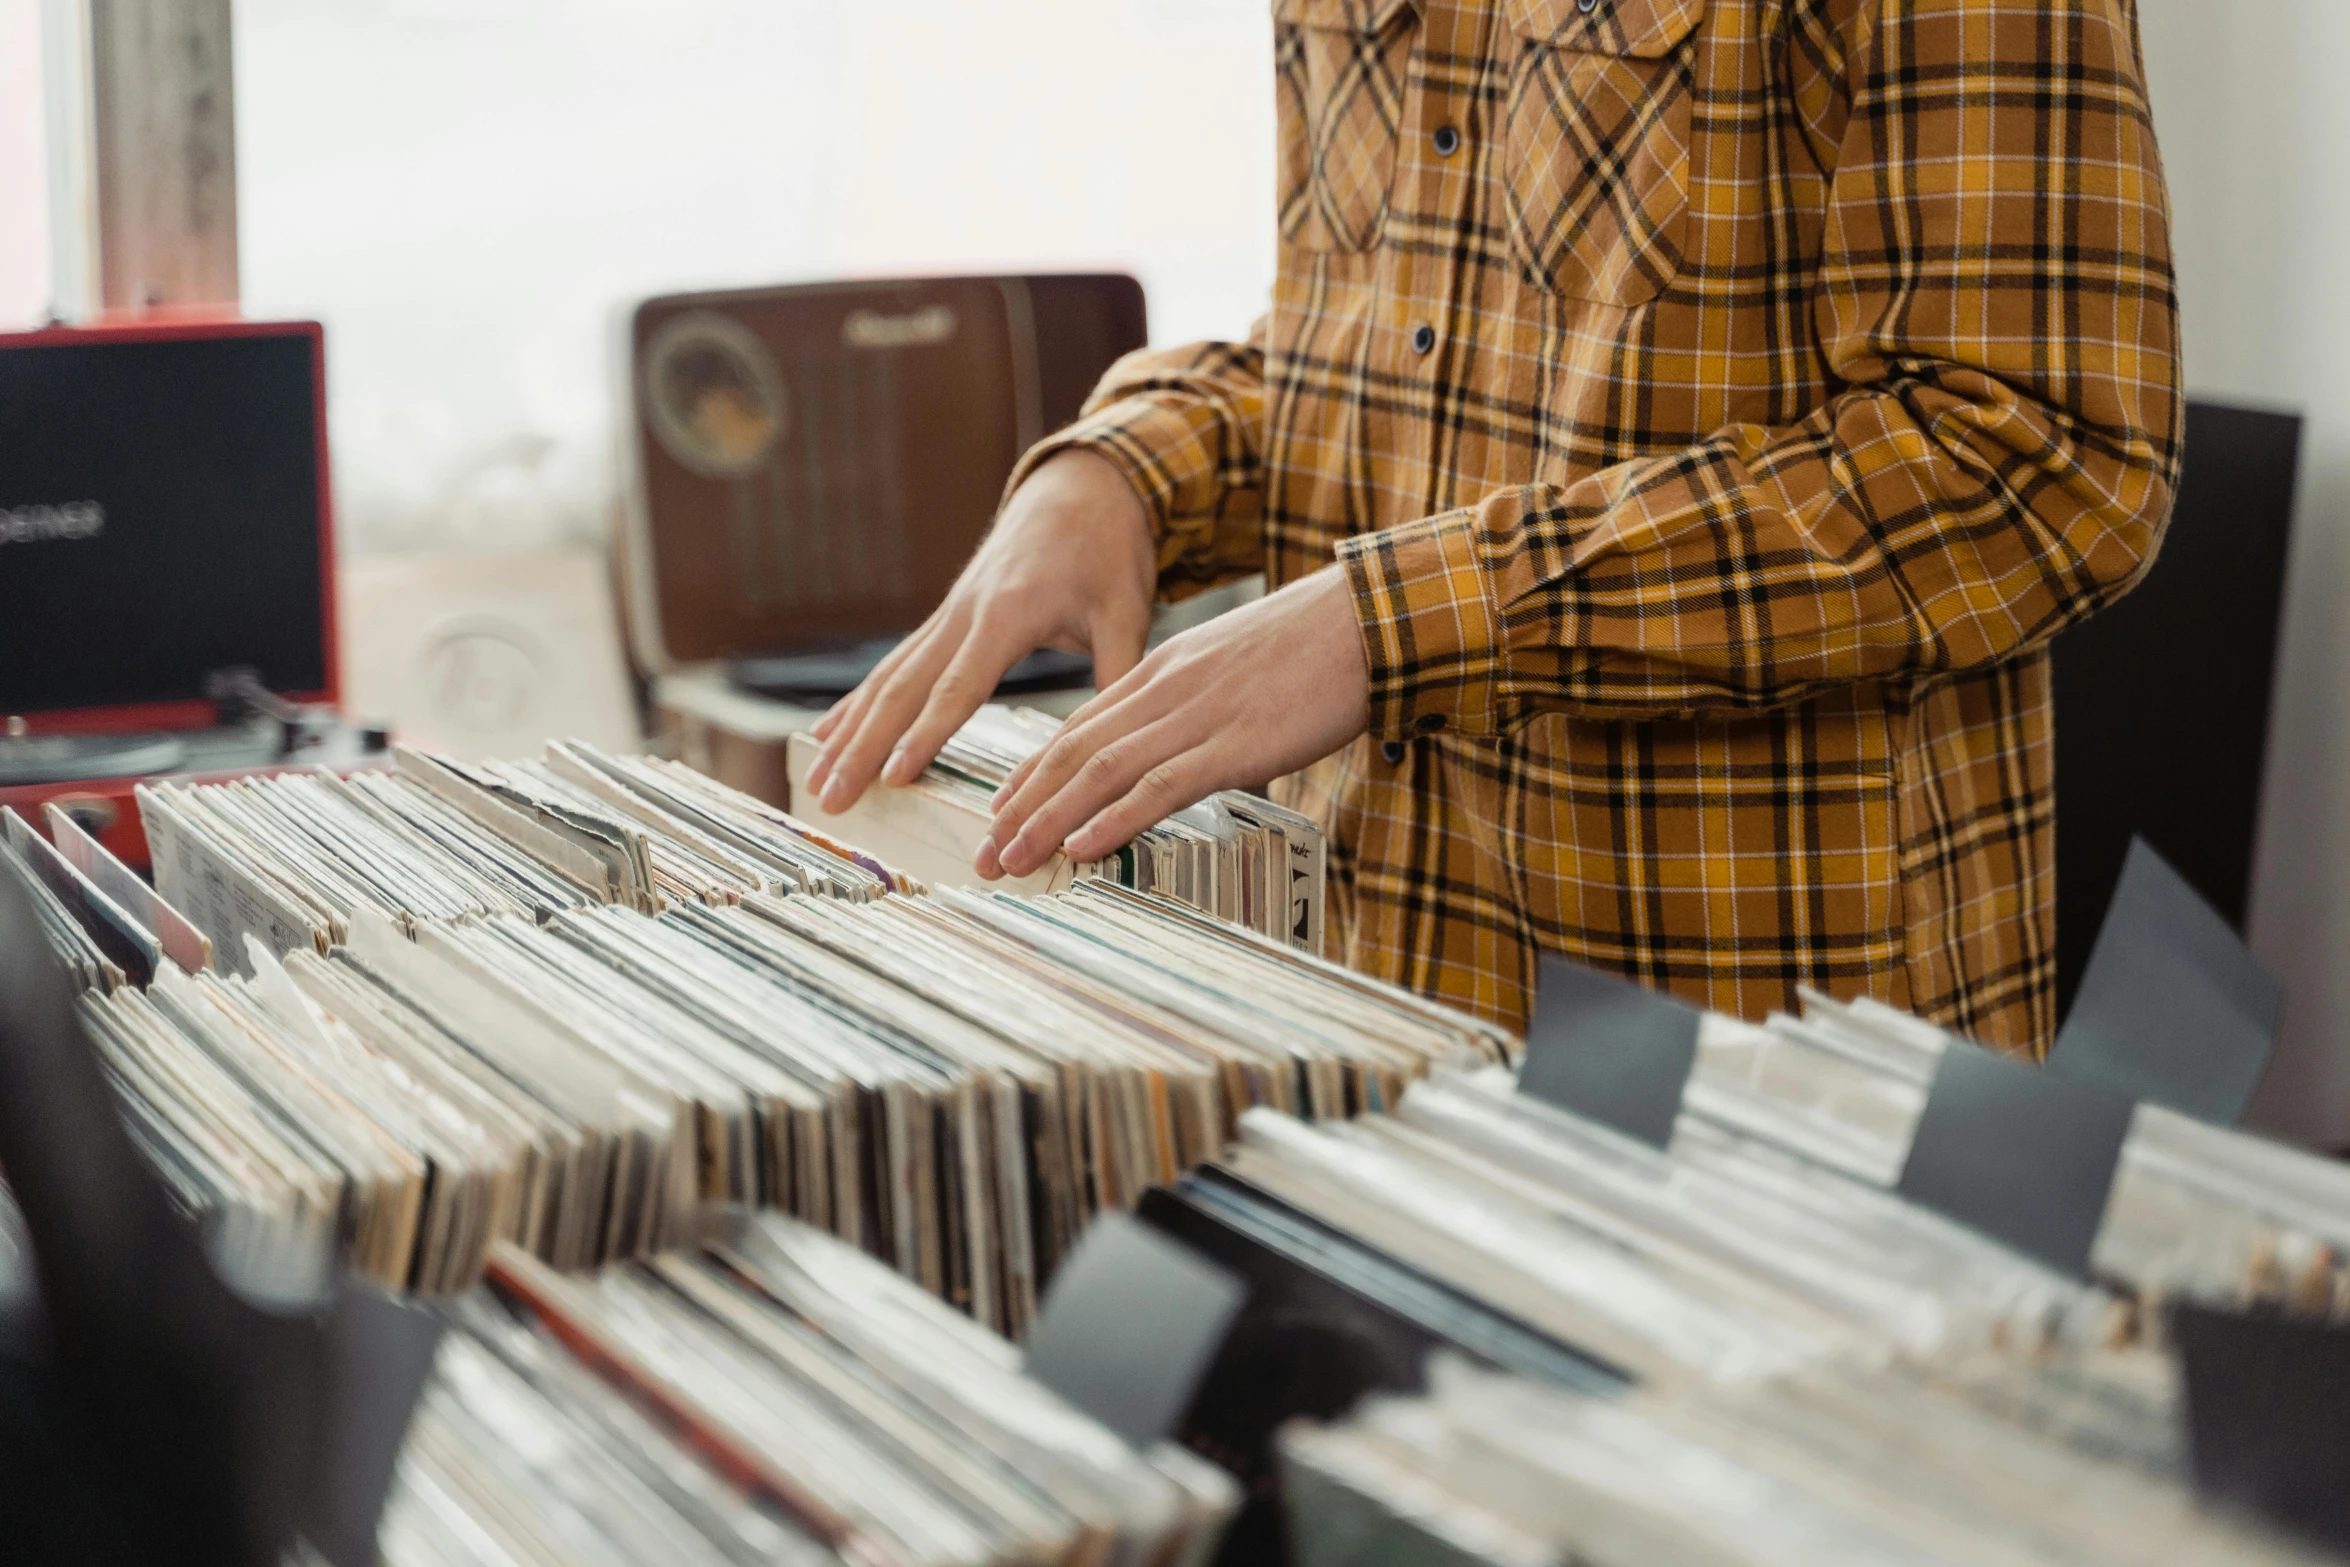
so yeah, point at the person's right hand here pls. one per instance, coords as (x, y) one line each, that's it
(1069, 565)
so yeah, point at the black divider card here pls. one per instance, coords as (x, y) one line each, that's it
(2172, 1007)
(2268, 1415)
(1130, 1325)
(379, 1353)
(1609, 1050)
(2021, 1154)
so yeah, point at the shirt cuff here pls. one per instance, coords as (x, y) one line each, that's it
(1170, 462)
(1431, 633)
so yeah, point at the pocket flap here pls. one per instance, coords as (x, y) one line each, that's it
(1641, 28)
(1368, 17)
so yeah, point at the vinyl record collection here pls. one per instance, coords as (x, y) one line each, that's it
(293, 857)
(737, 1157)
(1820, 1469)
(1819, 1370)
(507, 1009)
(2197, 1211)
(85, 931)
(778, 1398)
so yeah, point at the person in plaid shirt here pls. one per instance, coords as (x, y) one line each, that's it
(1680, 430)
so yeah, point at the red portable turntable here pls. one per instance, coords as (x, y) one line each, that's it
(167, 601)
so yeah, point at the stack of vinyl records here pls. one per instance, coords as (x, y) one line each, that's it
(1746, 1347)
(385, 1135)
(538, 1022)
(1235, 855)
(954, 1082)
(1492, 1468)
(292, 858)
(2197, 1212)
(779, 1398)
(85, 943)
(105, 926)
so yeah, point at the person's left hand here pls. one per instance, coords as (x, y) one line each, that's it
(1248, 696)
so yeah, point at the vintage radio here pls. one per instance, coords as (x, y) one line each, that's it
(166, 562)
(809, 466)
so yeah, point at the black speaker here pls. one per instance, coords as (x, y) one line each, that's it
(2162, 701)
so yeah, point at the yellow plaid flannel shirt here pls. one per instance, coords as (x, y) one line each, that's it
(1717, 406)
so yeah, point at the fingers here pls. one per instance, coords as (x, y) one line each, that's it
(823, 727)
(1193, 717)
(1101, 722)
(970, 679)
(1106, 698)
(1014, 779)
(881, 709)
(1078, 777)
(1161, 792)
(929, 686)
(844, 715)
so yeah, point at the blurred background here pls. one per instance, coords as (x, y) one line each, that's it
(466, 192)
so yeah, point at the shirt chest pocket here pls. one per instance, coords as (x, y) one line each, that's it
(1598, 111)
(1339, 69)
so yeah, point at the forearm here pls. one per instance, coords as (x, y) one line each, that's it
(1999, 318)
(1905, 530)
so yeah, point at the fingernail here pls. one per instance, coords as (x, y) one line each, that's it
(836, 795)
(984, 855)
(895, 768)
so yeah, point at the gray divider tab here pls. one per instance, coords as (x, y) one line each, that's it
(379, 1355)
(1132, 1322)
(2021, 1154)
(1609, 1050)
(2173, 1007)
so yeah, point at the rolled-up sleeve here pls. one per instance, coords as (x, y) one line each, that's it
(1187, 428)
(1996, 300)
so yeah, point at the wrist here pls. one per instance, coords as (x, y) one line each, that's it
(1100, 486)
(1077, 500)
(1110, 452)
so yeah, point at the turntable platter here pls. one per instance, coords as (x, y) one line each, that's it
(44, 759)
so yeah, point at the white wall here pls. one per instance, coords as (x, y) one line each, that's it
(24, 234)
(466, 190)
(2250, 106)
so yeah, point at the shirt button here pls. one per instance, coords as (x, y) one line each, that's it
(1448, 141)
(1586, 6)
(1423, 338)
(1391, 752)
(1429, 723)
